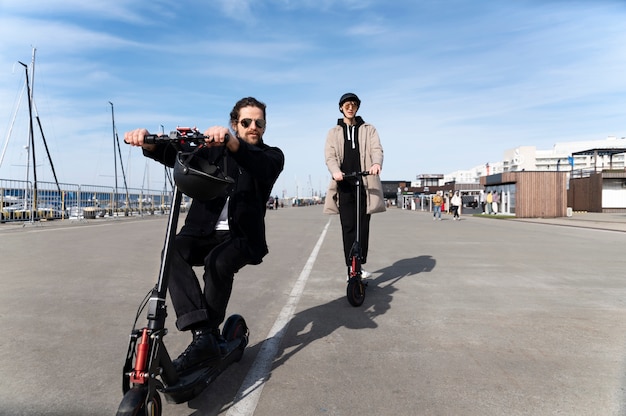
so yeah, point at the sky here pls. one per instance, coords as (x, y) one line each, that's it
(448, 84)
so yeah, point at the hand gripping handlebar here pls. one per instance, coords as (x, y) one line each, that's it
(180, 135)
(356, 174)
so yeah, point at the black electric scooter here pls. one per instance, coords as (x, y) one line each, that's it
(148, 369)
(355, 291)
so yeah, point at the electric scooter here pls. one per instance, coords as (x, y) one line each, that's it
(355, 291)
(148, 369)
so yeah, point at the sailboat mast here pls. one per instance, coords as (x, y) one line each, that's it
(32, 75)
(32, 129)
(31, 135)
(36, 112)
(114, 159)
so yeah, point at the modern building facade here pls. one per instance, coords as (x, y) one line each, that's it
(581, 176)
(566, 156)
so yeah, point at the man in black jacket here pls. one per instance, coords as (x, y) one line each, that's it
(223, 234)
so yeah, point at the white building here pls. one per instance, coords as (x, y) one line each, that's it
(473, 175)
(528, 158)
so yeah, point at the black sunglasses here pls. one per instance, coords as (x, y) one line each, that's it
(247, 122)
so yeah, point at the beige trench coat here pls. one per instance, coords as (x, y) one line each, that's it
(371, 152)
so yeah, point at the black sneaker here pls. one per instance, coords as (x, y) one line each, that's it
(204, 350)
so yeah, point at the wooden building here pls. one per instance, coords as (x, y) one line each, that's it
(598, 189)
(529, 194)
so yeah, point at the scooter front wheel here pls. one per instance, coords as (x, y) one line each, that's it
(355, 291)
(137, 403)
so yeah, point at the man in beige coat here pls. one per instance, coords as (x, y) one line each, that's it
(353, 146)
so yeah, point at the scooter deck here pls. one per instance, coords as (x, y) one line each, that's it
(192, 384)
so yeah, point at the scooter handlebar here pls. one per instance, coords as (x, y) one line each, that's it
(356, 174)
(180, 135)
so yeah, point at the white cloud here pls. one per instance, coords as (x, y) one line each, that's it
(447, 87)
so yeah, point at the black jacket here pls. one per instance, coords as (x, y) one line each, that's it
(255, 169)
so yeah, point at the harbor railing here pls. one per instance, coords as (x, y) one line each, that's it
(37, 201)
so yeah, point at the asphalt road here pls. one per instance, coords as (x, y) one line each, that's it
(472, 317)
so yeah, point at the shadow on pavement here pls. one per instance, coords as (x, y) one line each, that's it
(320, 321)
(313, 324)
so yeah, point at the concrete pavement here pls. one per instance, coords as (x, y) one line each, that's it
(472, 317)
(601, 221)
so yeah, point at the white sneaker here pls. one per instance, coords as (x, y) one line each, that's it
(364, 275)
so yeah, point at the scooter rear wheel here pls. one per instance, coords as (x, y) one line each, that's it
(235, 328)
(355, 291)
(134, 403)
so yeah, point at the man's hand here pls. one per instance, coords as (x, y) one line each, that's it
(136, 137)
(338, 176)
(221, 136)
(375, 169)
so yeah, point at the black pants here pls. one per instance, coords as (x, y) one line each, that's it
(195, 307)
(347, 215)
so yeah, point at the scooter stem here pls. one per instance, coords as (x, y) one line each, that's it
(156, 308)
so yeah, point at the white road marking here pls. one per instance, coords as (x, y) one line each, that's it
(249, 393)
